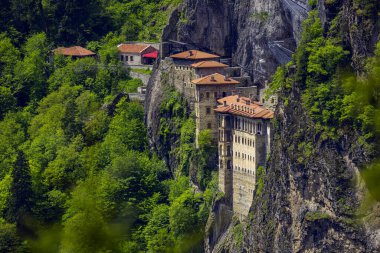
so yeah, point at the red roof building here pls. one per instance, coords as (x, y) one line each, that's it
(75, 51)
(137, 54)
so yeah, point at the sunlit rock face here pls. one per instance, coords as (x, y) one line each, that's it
(257, 34)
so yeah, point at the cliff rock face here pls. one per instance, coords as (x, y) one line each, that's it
(246, 31)
(257, 35)
(308, 201)
(306, 205)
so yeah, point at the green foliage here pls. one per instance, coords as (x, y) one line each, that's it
(323, 59)
(260, 16)
(9, 56)
(238, 234)
(87, 182)
(183, 213)
(142, 71)
(186, 148)
(10, 242)
(31, 73)
(157, 233)
(141, 19)
(315, 216)
(127, 129)
(84, 227)
(260, 180)
(313, 3)
(131, 85)
(19, 203)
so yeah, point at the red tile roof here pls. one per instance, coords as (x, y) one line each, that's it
(243, 106)
(208, 64)
(215, 79)
(194, 55)
(74, 51)
(132, 48)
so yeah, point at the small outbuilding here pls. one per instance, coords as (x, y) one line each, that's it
(137, 54)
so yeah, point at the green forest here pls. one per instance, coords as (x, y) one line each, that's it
(76, 171)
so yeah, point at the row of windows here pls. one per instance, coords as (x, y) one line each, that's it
(244, 141)
(180, 67)
(244, 170)
(122, 58)
(185, 84)
(244, 156)
(215, 94)
(247, 125)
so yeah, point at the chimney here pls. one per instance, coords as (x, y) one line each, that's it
(191, 53)
(224, 103)
(213, 78)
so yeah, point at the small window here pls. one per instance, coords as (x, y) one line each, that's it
(229, 165)
(207, 94)
(208, 110)
(215, 94)
(131, 58)
(272, 101)
(209, 125)
(121, 57)
(126, 58)
(259, 128)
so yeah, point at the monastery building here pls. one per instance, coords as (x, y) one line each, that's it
(244, 142)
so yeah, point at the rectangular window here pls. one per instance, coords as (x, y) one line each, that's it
(209, 125)
(208, 110)
(131, 58)
(121, 57)
(259, 128)
(229, 165)
(207, 94)
(126, 58)
(215, 94)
